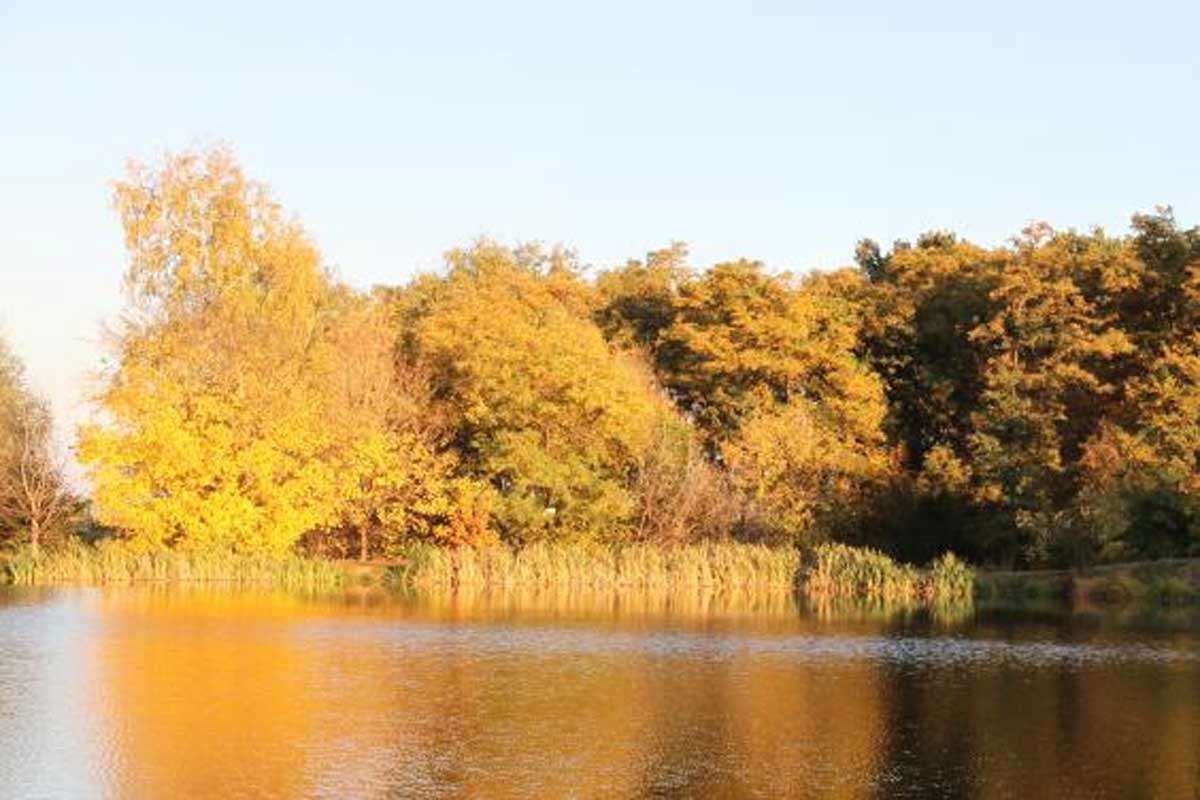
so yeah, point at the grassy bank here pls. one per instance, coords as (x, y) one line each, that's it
(1167, 582)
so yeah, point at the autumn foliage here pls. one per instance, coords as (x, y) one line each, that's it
(1027, 404)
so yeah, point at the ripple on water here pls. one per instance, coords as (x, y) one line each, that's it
(910, 651)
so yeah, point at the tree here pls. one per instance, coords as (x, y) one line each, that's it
(638, 301)
(745, 340)
(923, 303)
(253, 400)
(215, 431)
(393, 481)
(542, 408)
(33, 490)
(795, 469)
(681, 495)
(1049, 348)
(12, 377)
(769, 368)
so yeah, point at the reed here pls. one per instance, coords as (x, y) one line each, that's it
(114, 562)
(822, 573)
(711, 565)
(837, 571)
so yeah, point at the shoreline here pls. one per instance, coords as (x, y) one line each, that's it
(1166, 582)
(827, 573)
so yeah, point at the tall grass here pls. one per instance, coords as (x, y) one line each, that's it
(827, 572)
(714, 565)
(114, 562)
(836, 571)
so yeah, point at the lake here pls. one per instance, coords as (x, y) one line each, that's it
(153, 692)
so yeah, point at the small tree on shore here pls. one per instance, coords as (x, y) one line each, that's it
(33, 490)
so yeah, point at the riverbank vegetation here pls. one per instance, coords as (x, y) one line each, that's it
(838, 572)
(1030, 405)
(73, 562)
(1164, 582)
(710, 566)
(826, 572)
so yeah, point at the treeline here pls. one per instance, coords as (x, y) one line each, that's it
(1032, 404)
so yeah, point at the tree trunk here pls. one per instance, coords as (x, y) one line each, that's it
(35, 533)
(362, 543)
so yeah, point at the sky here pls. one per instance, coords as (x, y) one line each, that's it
(779, 131)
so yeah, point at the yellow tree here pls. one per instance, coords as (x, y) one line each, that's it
(923, 302)
(1050, 349)
(213, 431)
(1163, 388)
(637, 302)
(541, 407)
(394, 482)
(769, 368)
(744, 340)
(796, 469)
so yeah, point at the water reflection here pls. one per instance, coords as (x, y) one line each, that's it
(153, 693)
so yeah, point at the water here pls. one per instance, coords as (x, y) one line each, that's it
(159, 693)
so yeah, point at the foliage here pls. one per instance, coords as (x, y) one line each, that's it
(793, 470)
(638, 302)
(1031, 404)
(744, 341)
(249, 399)
(541, 407)
(682, 496)
(1046, 394)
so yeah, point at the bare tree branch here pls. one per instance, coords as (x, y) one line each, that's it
(33, 492)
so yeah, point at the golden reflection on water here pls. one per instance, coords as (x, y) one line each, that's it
(209, 693)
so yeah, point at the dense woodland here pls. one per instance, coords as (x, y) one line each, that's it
(1034, 404)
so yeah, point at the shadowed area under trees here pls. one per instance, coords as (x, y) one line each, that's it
(1035, 404)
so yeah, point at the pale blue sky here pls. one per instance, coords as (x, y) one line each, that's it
(780, 131)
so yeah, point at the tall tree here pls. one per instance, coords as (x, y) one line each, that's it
(1049, 346)
(215, 432)
(923, 303)
(745, 340)
(542, 408)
